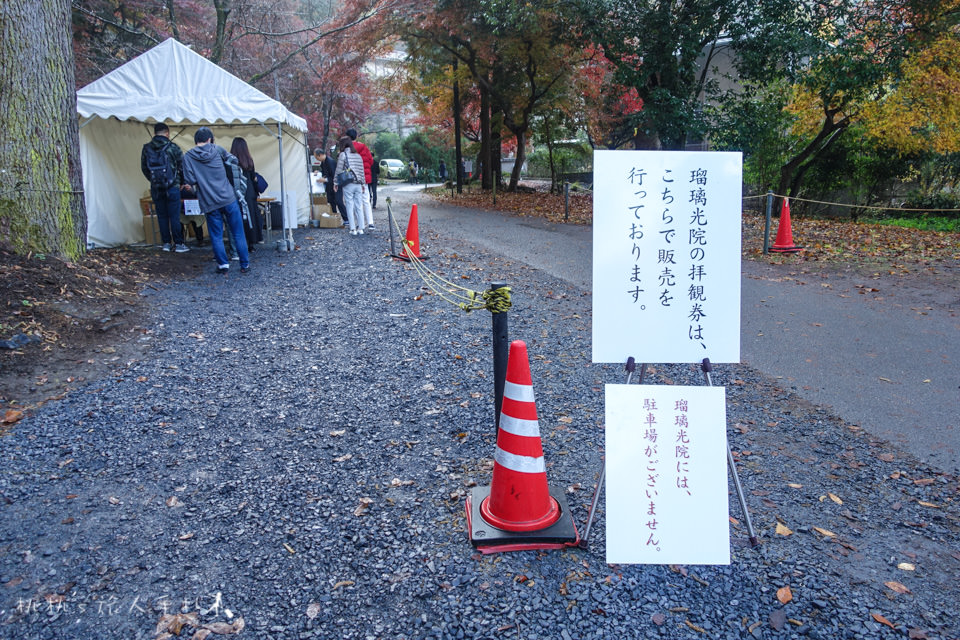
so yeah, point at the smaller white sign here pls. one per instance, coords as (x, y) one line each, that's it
(191, 208)
(666, 475)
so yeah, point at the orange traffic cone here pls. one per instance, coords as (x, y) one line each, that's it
(411, 244)
(519, 510)
(784, 241)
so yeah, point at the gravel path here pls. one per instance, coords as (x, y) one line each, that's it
(293, 447)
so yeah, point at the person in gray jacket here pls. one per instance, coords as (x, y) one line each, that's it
(205, 168)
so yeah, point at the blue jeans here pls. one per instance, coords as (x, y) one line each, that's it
(167, 205)
(215, 225)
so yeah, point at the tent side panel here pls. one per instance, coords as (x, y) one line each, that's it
(112, 182)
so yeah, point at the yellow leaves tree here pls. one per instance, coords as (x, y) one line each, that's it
(923, 112)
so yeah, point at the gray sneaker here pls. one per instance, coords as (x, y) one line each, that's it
(182, 248)
(167, 247)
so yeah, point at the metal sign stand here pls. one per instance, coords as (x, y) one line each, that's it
(706, 367)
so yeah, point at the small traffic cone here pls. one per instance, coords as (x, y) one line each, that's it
(411, 242)
(784, 241)
(519, 510)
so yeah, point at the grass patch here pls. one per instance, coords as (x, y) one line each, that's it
(931, 223)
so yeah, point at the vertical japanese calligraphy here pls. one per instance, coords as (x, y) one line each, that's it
(666, 268)
(666, 475)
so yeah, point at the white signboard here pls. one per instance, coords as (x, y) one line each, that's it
(666, 256)
(666, 450)
(191, 208)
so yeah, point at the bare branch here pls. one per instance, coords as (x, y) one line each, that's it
(116, 25)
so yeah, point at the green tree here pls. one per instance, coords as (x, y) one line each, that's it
(520, 55)
(41, 198)
(664, 51)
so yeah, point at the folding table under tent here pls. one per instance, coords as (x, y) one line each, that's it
(170, 83)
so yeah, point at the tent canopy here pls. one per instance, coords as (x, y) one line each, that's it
(170, 83)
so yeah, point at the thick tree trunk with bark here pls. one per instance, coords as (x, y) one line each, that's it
(41, 198)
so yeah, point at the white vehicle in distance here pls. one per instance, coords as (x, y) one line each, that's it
(391, 168)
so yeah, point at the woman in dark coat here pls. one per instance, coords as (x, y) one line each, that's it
(254, 230)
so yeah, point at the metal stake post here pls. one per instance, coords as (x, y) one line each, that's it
(501, 350)
(706, 367)
(630, 367)
(393, 249)
(766, 223)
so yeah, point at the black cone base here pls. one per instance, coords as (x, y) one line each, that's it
(489, 539)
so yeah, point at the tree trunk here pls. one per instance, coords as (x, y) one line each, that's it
(793, 172)
(41, 197)
(486, 142)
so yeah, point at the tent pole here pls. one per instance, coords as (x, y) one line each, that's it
(283, 189)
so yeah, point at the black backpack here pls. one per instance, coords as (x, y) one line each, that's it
(160, 167)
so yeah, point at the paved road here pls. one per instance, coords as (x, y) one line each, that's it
(884, 360)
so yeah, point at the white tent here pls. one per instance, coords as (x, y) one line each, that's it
(172, 84)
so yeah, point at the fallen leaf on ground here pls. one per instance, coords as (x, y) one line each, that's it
(783, 530)
(835, 498)
(364, 504)
(11, 415)
(173, 501)
(784, 595)
(906, 566)
(186, 536)
(927, 504)
(343, 458)
(893, 585)
(922, 482)
(338, 433)
(885, 457)
(777, 619)
(198, 336)
(224, 628)
(825, 532)
(879, 618)
(343, 583)
(175, 622)
(288, 548)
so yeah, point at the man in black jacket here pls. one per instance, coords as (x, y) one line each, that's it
(327, 170)
(161, 162)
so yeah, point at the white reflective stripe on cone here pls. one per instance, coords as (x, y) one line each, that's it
(520, 464)
(518, 427)
(518, 392)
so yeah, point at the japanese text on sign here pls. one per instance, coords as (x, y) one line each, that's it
(666, 470)
(666, 256)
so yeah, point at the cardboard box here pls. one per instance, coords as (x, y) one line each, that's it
(317, 211)
(330, 221)
(146, 206)
(318, 198)
(151, 230)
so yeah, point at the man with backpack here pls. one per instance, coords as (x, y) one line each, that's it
(161, 162)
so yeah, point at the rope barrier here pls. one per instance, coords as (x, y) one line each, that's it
(493, 300)
(851, 206)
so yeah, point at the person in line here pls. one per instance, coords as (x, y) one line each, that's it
(367, 156)
(413, 167)
(327, 170)
(374, 180)
(350, 187)
(443, 172)
(253, 229)
(161, 162)
(205, 169)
